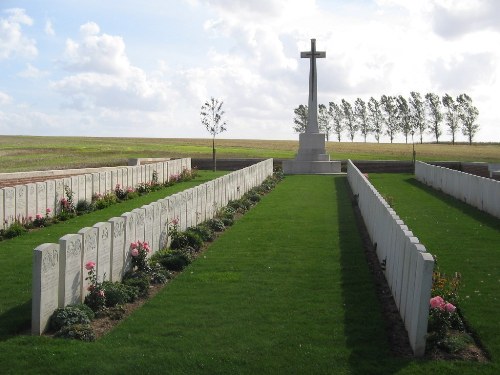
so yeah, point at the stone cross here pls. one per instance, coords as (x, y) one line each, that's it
(312, 116)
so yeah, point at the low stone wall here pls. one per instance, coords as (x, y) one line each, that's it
(408, 267)
(480, 192)
(59, 269)
(25, 200)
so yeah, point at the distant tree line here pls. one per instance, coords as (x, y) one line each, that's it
(392, 115)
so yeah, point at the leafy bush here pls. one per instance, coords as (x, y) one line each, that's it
(188, 238)
(81, 332)
(204, 231)
(67, 316)
(227, 221)
(85, 309)
(253, 197)
(14, 230)
(173, 260)
(140, 280)
(114, 313)
(159, 275)
(83, 207)
(119, 294)
(216, 225)
(102, 201)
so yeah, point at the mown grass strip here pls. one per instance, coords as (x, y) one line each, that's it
(463, 239)
(16, 254)
(278, 292)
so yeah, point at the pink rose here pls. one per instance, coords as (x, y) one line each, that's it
(450, 307)
(134, 252)
(134, 245)
(38, 216)
(89, 265)
(437, 302)
(101, 293)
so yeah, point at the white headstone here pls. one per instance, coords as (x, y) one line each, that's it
(81, 188)
(51, 197)
(9, 204)
(129, 237)
(89, 182)
(96, 180)
(89, 253)
(102, 183)
(108, 182)
(75, 188)
(140, 224)
(45, 287)
(41, 198)
(59, 193)
(70, 269)
(103, 250)
(148, 223)
(21, 202)
(156, 226)
(117, 248)
(164, 221)
(31, 200)
(2, 224)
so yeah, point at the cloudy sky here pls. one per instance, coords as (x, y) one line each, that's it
(144, 68)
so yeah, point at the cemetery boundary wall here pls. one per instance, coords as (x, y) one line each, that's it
(480, 192)
(58, 271)
(407, 266)
(27, 200)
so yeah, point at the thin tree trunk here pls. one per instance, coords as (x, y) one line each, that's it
(213, 154)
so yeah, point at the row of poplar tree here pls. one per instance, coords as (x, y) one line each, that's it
(395, 114)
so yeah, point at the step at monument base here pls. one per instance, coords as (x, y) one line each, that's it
(310, 167)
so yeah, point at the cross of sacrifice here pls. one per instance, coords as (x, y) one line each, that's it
(312, 116)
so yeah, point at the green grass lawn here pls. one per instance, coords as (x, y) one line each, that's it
(16, 254)
(27, 153)
(463, 239)
(286, 290)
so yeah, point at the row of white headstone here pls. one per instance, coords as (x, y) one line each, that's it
(24, 201)
(408, 267)
(480, 192)
(59, 269)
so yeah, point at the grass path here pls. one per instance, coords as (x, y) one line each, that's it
(463, 239)
(286, 290)
(277, 293)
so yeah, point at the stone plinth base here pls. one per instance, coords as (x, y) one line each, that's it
(310, 167)
(311, 157)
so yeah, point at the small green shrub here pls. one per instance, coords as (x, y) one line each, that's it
(140, 280)
(81, 332)
(114, 313)
(216, 225)
(227, 221)
(83, 207)
(85, 309)
(102, 201)
(194, 239)
(14, 230)
(173, 260)
(204, 231)
(119, 294)
(67, 316)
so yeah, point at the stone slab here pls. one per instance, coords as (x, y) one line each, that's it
(117, 248)
(70, 270)
(45, 286)
(103, 250)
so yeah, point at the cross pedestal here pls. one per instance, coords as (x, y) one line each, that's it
(312, 157)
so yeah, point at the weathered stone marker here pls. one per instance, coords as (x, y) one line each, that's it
(312, 157)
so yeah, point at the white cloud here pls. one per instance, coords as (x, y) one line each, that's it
(4, 98)
(12, 41)
(32, 72)
(102, 75)
(49, 28)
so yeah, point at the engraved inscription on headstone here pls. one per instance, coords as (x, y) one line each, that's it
(70, 269)
(117, 247)
(21, 202)
(89, 254)
(45, 286)
(103, 250)
(51, 197)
